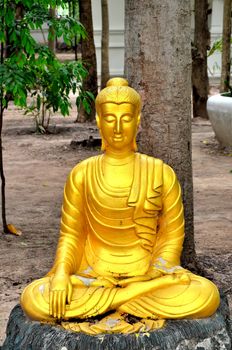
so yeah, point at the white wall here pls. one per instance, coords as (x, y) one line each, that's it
(116, 40)
(116, 13)
(214, 61)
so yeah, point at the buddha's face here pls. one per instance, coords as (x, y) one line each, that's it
(118, 124)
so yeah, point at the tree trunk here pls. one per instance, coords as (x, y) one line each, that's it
(158, 66)
(74, 14)
(19, 13)
(88, 57)
(3, 195)
(8, 46)
(105, 44)
(226, 46)
(70, 9)
(200, 80)
(52, 40)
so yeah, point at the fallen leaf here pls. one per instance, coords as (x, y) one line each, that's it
(14, 230)
(205, 142)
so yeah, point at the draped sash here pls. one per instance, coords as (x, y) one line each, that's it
(145, 197)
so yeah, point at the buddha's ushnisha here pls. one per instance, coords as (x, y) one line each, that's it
(121, 236)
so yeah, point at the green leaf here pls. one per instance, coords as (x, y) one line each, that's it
(90, 95)
(86, 105)
(78, 102)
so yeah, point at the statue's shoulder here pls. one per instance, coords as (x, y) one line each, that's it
(150, 160)
(78, 173)
(81, 168)
(165, 170)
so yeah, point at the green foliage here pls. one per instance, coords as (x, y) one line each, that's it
(217, 47)
(51, 93)
(31, 75)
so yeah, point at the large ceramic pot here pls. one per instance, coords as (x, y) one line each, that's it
(219, 109)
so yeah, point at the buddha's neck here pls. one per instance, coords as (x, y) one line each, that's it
(120, 158)
(118, 169)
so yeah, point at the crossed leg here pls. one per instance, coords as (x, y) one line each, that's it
(167, 297)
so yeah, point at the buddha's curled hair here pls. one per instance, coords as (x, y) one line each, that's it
(118, 91)
(117, 81)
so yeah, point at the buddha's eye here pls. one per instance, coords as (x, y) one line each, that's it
(127, 118)
(109, 118)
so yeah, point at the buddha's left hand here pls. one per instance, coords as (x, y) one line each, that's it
(60, 291)
(155, 273)
(129, 280)
(183, 276)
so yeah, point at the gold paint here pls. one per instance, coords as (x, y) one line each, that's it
(121, 237)
(114, 323)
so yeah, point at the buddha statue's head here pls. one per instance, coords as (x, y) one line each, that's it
(118, 108)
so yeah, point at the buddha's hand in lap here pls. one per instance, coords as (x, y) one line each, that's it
(155, 273)
(176, 274)
(181, 277)
(127, 281)
(114, 282)
(60, 292)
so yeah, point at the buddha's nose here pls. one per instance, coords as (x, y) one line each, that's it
(118, 127)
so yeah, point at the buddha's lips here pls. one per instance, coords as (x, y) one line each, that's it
(118, 138)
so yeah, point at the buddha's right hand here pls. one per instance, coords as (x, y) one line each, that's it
(60, 292)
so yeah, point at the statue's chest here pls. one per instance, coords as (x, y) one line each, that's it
(109, 220)
(120, 176)
(103, 193)
(109, 207)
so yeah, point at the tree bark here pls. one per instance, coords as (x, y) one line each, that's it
(105, 44)
(74, 14)
(3, 192)
(19, 14)
(158, 66)
(200, 80)
(2, 108)
(226, 46)
(52, 41)
(88, 57)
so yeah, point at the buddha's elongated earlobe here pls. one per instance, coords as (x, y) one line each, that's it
(134, 145)
(97, 121)
(103, 144)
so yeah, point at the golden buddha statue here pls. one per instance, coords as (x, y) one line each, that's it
(121, 237)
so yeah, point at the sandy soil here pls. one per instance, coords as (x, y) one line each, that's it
(36, 168)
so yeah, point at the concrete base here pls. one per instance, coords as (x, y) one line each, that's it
(211, 333)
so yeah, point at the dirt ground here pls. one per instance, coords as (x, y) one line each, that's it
(36, 168)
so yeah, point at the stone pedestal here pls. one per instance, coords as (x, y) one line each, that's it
(211, 333)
